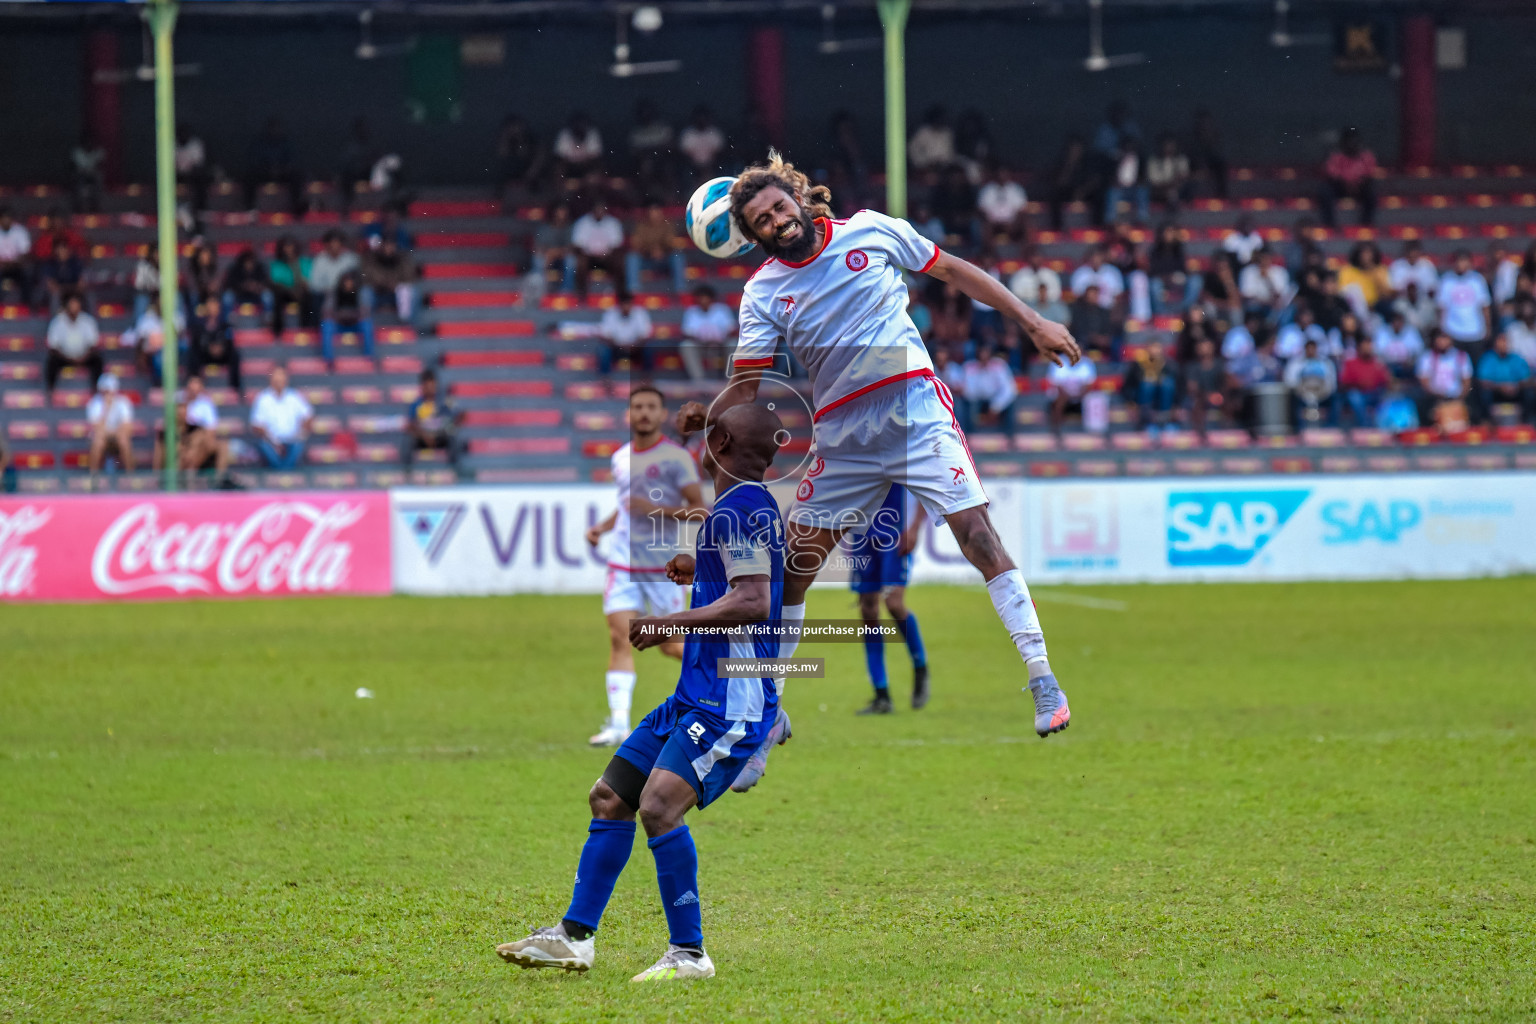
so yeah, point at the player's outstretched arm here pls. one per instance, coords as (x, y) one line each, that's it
(594, 533)
(1050, 338)
(750, 599)
(742, 390)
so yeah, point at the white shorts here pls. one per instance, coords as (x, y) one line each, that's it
(903, 433)
(638, 591)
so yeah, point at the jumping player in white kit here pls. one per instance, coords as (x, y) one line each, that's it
(832, 290)
(659, 488)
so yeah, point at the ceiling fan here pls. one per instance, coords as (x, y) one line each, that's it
(647, 19)
(831, 45)
(1097, 61)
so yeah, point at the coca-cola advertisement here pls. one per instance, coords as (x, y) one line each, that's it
(153, 547)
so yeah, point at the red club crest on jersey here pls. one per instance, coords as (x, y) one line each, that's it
(856, 260)
(805, 490)
(653, 471)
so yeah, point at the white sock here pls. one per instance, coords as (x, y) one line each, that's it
(1010, 596)
(620, 686)
(792, 617)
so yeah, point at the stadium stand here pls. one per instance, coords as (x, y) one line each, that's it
(522, 370)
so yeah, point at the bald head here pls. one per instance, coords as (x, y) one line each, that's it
(744, 439)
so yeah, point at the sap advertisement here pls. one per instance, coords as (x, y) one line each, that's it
(1290, 528)
(509, 540)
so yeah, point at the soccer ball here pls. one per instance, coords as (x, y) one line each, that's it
(710, 223)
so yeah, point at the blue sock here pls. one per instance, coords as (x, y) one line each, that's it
(677, 875)
(874, 658)
(914, 639)
(602, 860)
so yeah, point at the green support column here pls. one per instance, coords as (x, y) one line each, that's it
(162, 20)
(893, 15)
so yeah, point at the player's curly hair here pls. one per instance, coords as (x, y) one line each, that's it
(815, 200)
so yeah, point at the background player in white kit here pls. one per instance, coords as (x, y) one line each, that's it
(658, 488)
(833, 291)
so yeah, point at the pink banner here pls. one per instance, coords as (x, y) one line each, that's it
(111, 547)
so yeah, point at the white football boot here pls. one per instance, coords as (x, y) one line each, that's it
(609, 735)
(679, 964)
(550, 947)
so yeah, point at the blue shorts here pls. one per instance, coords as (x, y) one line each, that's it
(877, 562)
(703, 748)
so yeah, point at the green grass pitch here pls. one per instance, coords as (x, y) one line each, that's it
(1309, 802)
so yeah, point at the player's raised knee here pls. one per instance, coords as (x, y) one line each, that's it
(606, 804)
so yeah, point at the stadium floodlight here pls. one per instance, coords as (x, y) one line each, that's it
(1097, 61)
(831, 45)
(622, 66)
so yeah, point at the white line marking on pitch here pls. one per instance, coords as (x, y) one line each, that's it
(1103, 604)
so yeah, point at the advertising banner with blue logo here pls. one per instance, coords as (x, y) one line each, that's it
(1285, 528)
(514, 540)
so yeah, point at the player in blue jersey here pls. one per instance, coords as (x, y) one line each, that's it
(881, 560)
(686, 752)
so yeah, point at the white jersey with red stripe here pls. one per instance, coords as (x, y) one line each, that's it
(843, 312)
(658, 473)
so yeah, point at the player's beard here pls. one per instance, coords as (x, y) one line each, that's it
(800, 249)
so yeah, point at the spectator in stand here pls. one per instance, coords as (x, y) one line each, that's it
(1398, 344)
(708, 325)
(213, 344)
(280, 419)
(1328, 305)
(1363, 281)
(1445, 375)
(201, 280)
(1151, 387)
(1074, 179)
(1205, 153)
(288, 277)
(1197, 327)
(146, 283)
(431, 424)
(1264, 284)
(552, 250)
(1242, 242)
(1117, 128)
(60, 273)
(1173, 289)
(1413, 266)
(192, 169)
(1292, 338)
(1504, 378)
(597, 241)
(990, 390)
(1257, 366)
(1301, 252)
(623, 331)
(1350, 172)
(389, 279)
(953, 313)
(7, 471)
(54, 229)
(918, 313)
(1039, 287)
(1243, 338)
(1127, 183)
(1344, 339)
(520, 158)
(86, 159)
(389, 225)
(334, 260)
(147, 337)
(349, 307)
(650, 151)
(15, 254)
(1464, 302)
(246, 281)
(1066, 385)
(1205, 385)
(270, 161)
(73, 340)
(954, 202)
(932, 146)
(703, 143)
(656, 247)
(1418, 307)
(1092, 324)
(198, 445)
(579, 148)
(1002, 203)
(1364, 383)
(1097, 270)
(973, 141)
(1168, 175)
(110, 415)
(358, 156)
(927, 224)
(1503, 274)
(1522, 332)
(1314, 387)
